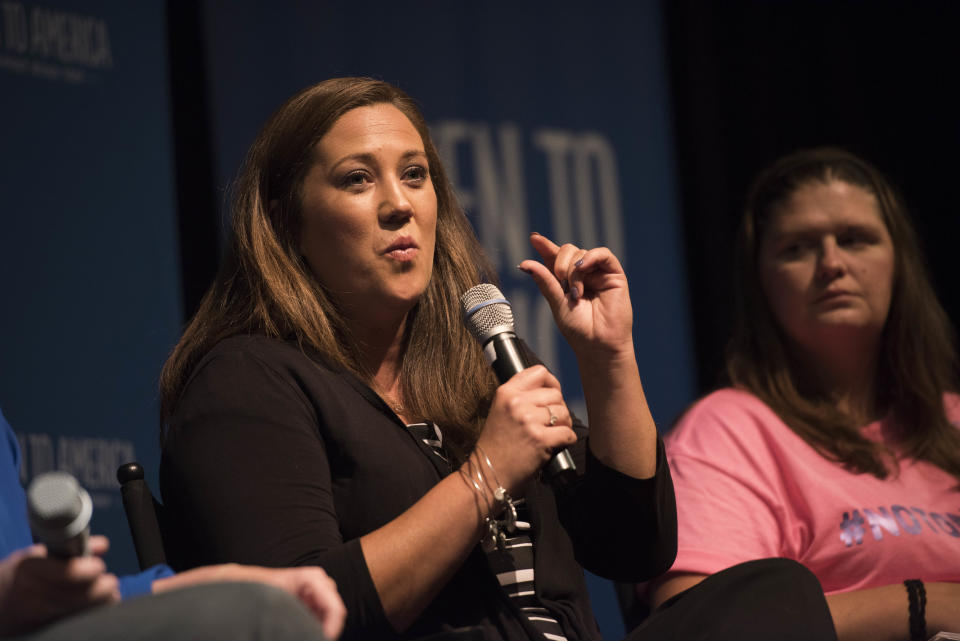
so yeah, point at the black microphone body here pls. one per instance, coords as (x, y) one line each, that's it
(59, 510)
(489, 318)
(507, 359)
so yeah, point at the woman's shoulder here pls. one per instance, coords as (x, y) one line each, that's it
(250, 359)
(274, 353)
(731, 417)
(726, 404)
(253, 344)
(255, 374)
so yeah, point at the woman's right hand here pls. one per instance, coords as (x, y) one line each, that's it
(518, 436)
(36, 589)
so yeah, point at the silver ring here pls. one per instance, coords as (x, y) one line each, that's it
(553, 417)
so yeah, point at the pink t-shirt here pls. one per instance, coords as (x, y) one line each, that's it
(748, 487)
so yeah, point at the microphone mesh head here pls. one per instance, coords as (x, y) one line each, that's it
(486, 312)
(55, 497)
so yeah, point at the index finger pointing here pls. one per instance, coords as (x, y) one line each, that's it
(545, 247)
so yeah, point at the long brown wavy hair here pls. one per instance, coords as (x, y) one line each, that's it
(917, 363)
(264, 285)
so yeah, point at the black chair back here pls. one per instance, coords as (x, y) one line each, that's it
(144, 514)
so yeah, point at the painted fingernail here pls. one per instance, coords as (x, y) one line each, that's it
(565, 285)
(578, 263)
(574, 293)
(523, 269)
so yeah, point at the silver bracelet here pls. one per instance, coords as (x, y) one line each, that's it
(493, 526)
(478, 487)
(509, 520)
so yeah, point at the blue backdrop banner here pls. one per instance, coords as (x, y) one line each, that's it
(88, 253)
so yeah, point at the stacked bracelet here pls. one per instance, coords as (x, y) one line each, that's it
(496, 528)
(500, 495)
(478, 486)
(917, 595)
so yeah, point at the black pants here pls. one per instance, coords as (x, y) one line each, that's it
(758, 600)
(211, 612)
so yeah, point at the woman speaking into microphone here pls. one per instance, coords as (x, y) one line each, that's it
(327, 406)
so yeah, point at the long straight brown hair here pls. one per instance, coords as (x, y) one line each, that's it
(264, 286)
(917, 363)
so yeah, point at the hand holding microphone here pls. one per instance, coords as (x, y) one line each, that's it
(64, 572)
(528, 398)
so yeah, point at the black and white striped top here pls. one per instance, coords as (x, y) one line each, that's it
(513, 567)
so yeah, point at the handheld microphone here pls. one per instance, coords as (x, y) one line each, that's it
(59, 511)
(489, 317)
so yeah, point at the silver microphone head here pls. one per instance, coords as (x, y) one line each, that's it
(59, 513)
(486, 312)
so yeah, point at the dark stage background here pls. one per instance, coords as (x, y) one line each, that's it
(755, 80)
(637, 126)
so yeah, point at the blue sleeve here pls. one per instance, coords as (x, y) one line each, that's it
(14, 530)
(133, 585)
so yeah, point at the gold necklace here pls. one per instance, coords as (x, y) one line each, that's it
(392, 403)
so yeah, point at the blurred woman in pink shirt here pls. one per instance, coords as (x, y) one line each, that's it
(836, 444)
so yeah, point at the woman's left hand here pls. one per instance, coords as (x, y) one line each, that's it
(588, 294)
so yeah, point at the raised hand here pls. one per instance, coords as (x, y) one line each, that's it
(588, 294)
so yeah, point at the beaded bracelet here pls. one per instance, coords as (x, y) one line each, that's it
(917, 595)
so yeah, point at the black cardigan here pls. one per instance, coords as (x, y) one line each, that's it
(272, 458)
